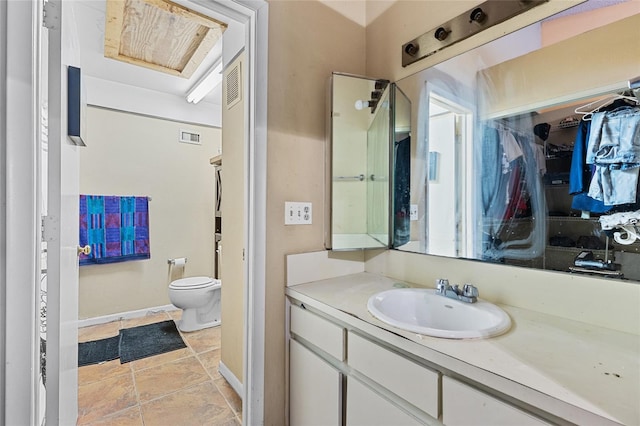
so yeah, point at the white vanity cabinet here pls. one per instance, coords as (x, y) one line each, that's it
(381, 387)
(545, 370)
(314, 389)
(465, 405)
(412, 382)
(340, 377)
(315, 385)
(365, 407)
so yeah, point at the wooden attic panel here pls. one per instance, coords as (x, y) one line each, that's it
(160, 35)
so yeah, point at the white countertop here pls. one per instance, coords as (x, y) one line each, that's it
(587, 367)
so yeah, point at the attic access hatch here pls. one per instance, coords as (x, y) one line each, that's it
(160, 35)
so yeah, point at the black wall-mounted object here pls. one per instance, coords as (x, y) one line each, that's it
(75, 106)
(463, 26)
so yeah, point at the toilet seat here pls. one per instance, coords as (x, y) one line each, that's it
(191, 283)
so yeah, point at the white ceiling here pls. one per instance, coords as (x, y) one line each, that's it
(90, 22)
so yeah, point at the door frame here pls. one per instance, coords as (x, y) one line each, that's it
(20, 32)
(20, 197)
(255, 14)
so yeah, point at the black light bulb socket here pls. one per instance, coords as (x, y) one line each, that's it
(478, 15)
(381, 84)
(441, 34)
(376, 95)
(411, 49)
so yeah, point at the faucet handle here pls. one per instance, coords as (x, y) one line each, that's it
(441, 285)
(469, 290)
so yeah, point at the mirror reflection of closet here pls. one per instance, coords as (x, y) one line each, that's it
(358, 163)
(513, 203)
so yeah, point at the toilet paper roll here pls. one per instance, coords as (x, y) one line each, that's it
(180, 261)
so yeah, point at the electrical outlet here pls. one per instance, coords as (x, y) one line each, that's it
(413, 212)
(297, 213)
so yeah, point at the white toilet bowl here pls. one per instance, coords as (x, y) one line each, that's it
(199, 299)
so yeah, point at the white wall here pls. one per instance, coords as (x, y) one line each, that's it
(114, 95)
(129, 154)
(233, 228)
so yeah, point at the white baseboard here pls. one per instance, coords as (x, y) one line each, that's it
(231, 378)
(124, 315)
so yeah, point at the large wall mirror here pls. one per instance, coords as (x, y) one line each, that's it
(526, 151)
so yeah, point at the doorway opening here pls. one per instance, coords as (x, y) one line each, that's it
(449, 133)
(253, 17)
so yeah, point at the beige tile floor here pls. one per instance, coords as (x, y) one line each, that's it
(181, 387)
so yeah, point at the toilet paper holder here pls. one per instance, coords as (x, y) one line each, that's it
(179, 260)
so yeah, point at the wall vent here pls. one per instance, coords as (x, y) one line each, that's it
(189, 136)
(234, 86)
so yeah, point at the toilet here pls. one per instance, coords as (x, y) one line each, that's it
(199, 299)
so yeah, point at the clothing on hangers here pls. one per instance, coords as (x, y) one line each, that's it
(588, 110)
(581, 173)
(614, 148)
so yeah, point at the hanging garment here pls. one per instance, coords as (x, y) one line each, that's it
(510, 145)
(518, 199)
(581, 173)
(541, 160)
(493, 183)
(510, 190)
(614, 148)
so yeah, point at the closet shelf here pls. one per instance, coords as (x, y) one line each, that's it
(568, 123)
(576, 250)
(571, 219)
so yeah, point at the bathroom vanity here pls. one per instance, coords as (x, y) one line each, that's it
(480, 153)
(347, 367)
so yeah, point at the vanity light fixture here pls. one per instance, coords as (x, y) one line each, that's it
(478, 15)
(376, 95)
(471, 22)
(206, 84)
(441, 34)
(360, 104)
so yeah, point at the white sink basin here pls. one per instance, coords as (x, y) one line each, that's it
(425, 312)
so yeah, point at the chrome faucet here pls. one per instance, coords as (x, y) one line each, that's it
(468, 294)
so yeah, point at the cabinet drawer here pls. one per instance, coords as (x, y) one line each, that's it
(324, 334)
(315, 396)
(412, 382)
(367, 408)
(464, 405)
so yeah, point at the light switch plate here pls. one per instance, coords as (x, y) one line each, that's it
(297, 213)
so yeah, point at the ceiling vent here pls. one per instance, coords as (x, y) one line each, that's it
(233, 86)
(189, 136)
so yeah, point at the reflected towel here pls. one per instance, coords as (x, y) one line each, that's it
(116, 228)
